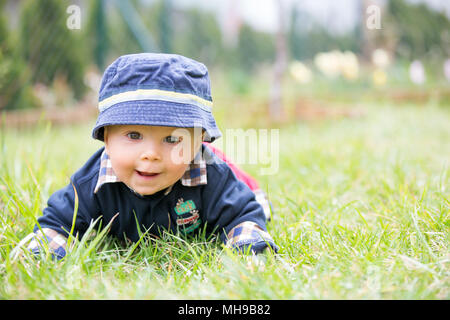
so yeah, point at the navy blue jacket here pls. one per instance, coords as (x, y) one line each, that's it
(222, 204)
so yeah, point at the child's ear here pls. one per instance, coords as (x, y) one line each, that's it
(198, 142)
(203, 138)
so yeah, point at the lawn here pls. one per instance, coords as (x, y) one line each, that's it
(362, 209)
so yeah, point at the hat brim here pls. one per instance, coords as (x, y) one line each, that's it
(157, 113)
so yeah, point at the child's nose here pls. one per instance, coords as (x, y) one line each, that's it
(150, 155)
(151, 152)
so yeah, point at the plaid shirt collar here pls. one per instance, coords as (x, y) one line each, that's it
(194, 175)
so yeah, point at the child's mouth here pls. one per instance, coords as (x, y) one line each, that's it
(147, 175)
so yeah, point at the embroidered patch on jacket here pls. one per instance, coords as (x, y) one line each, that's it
(194, 175)
(188, 217)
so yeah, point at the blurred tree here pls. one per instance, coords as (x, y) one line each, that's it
(305, 42)
(296, 47)
(254, 48)
(276, 111)
(49, 46)
(133, 21)
(418, 29)
(123, 41)
(15, 91)
(133, 27)
(165, 26)
(197, 35)
(96, 34)
(372, 30)
(158, 18)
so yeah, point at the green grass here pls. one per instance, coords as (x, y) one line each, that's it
(362, 212)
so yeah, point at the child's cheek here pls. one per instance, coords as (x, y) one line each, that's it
(122, 165)
(180, 154)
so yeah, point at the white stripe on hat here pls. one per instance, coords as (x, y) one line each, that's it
(155, 94)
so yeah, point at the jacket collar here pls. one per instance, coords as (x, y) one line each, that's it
(194, 175)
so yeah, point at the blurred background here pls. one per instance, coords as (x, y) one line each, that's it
(273, 61)
(357, 91)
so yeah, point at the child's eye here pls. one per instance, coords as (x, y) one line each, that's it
(134, 135)
(172, 139)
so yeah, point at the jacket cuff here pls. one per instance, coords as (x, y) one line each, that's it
(250, 234)
(55, 242)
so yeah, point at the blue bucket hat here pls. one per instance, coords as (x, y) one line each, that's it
(158, 90)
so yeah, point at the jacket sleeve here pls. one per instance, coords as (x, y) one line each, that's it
(48, 238)
(231, 208)
(73, 203)
(243, 176)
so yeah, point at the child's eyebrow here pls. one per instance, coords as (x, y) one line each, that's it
(126, 130)
(164, 132)
(173, 132)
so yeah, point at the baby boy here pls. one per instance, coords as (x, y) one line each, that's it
(157, 170)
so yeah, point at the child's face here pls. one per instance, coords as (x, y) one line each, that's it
(148, 158)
